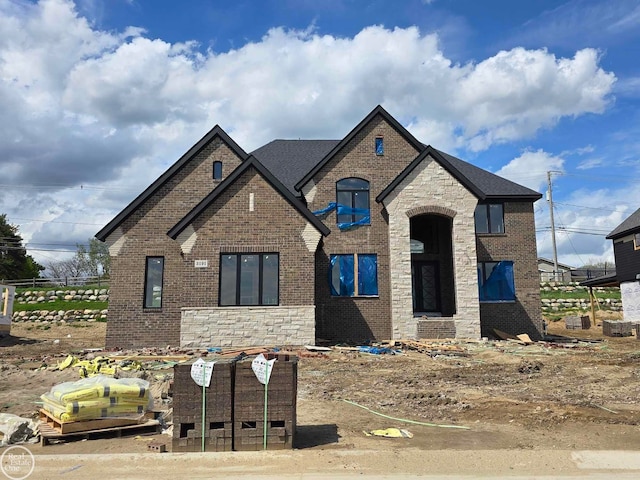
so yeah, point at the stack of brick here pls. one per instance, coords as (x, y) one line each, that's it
(617, 328)
(248, 412)
(577, 322)
(187, 410)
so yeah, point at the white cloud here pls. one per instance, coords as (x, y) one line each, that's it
(530, 168)
(83, 106)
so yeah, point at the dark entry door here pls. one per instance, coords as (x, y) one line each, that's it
(426, 286)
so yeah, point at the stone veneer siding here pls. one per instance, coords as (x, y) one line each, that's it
(244, 326)
(144, 234)
(429, 188)
(518, 244)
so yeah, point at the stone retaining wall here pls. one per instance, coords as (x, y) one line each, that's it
(44, 296)
(550, 306)
(60, 316)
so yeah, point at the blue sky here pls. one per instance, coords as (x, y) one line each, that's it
(99, 97)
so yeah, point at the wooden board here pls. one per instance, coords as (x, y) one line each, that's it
(523, 337)
(86, 425)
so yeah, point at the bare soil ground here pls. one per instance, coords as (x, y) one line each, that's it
(545, 396)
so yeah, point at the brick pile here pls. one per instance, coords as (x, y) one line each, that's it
(187, 410)
(234, 413)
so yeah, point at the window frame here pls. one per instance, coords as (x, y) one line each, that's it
(358, 281)
(215, 177)
(636, 241)
(237, 293)
(148, 297)
(488, 218)
(379, 146)
(483, 278)
(354, 217)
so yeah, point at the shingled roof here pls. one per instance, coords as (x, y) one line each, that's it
(290, 160)
(629, 225)
(491, 185)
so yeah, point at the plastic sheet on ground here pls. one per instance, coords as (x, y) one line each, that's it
(378, 350)
(390, 433)
(14, 429)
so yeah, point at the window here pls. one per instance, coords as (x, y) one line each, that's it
(636, 241)
(352, 196)
(495, 281)
(249, 279)
(343, 271)
(217, 170)
(153, 282)
(489, 218)
(379, 146)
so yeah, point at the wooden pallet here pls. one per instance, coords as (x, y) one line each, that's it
(49, 434)
(85, 425)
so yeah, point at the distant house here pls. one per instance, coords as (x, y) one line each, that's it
(546, 268)
(370, 237)
(626, 250)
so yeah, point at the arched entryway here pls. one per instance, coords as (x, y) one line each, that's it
(432, 274)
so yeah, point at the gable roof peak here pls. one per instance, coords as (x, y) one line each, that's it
(378, 110)
(216, 131)
(251, 161)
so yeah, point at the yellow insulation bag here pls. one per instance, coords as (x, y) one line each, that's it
(97, 397)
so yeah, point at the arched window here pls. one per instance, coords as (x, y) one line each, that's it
(217, 170)
(352, 196)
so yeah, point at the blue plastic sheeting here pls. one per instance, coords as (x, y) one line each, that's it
(344, 210)
(378, 350)
(367, 275)
(341, 276)
(500, 286)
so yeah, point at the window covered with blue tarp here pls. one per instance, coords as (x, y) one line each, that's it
(496, 282)
(352, 203)
(343, 270)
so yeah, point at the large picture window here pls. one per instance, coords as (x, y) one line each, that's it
(489, 218)
(352, 197)
(345, 269)
(249, 279)
(153, 273)
(496, 282)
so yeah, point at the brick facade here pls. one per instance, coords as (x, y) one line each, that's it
(254, 213)
(144, 234)
(518, 243)
(351, 318)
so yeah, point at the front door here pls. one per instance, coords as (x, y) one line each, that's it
(426, 286)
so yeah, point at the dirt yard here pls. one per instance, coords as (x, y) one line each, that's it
(544, 396)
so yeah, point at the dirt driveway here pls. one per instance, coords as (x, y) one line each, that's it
(565, 396)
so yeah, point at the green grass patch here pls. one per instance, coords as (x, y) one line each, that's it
(58, 288)
(61, 305)
(579, 294)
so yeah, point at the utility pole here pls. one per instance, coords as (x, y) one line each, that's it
(553, 227)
